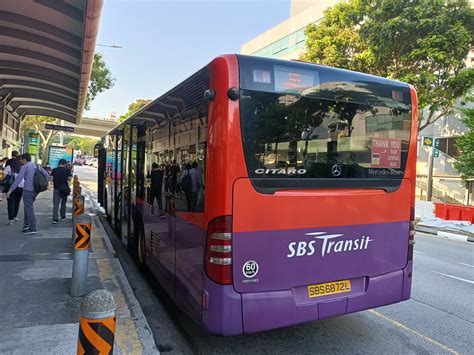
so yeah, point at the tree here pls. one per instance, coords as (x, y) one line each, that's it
(84, 144)
(465, 144)
(134, 107)
(37, 123)
(101, 79)
(422, 42)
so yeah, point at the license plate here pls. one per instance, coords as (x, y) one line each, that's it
(329, 288)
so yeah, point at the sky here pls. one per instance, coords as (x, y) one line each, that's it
(165, 41)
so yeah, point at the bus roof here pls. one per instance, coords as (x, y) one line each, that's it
(150, 113)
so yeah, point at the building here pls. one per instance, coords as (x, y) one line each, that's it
(112, 116)
(287, 40)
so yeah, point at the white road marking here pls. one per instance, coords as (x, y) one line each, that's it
(417, 252)
(467, 265)
(454, 277)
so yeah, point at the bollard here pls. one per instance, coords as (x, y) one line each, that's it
(82, 241)
(76, 189)
(78, 210)
(97, 323)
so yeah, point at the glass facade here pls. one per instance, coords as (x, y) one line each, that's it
(288, 44)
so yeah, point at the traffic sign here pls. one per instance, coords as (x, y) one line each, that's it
(436, 148)
(428, 141)
(56, 127)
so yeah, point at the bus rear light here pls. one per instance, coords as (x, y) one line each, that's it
(221, 248)
(221, 236)
(218, 262)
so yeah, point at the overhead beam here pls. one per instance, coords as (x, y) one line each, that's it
(29, 94)
(15, 105)
(50, 113)
(11, 17)
(49, 59)
(43, 41)
(10, 64)
(35, 85)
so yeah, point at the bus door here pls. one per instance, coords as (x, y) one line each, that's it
(118, 191)
(126, 198)
(110, 177)
(133, 180)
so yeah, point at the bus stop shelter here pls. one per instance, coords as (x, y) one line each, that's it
(46, 55)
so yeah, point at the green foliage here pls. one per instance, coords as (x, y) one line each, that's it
(422, 42)
(134, 107)
(84, 144)
(101, 79)
(465, 144)
(37, 123)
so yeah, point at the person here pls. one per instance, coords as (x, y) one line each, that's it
(167, 176)
(185, 183)
(156, 185)
(61, 176)
(13, 168)
(27, 173)
(196, 180)
(4, 189)
(173, 172)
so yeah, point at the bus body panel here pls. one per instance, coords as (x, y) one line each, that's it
(225, 161)
(160, 246)
(190, 241)
(222, 309)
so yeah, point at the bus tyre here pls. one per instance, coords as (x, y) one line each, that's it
(141, 248)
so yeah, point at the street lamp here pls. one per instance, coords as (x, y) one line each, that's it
(109, 46)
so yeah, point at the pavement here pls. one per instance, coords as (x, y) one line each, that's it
(38, 314)
(428, 223)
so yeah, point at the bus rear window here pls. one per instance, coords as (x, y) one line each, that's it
(297, 141)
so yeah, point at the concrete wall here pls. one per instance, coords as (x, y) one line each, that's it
(9, 133)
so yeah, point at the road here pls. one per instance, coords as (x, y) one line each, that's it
(439, 317)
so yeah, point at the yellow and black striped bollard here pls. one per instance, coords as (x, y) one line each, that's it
(78, 210)
(82, 242)
(97, 324)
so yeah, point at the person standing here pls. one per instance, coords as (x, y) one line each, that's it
(61, 176)
(13, 202)
(27, 173)
(186, 185)
(173, 176)
(156, 185)
(196, 185)
(4, 189)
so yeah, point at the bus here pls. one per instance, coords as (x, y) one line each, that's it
(305, 203)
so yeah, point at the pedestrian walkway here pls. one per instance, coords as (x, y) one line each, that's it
(38, 314)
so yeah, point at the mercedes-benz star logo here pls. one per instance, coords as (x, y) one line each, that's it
(336, 170)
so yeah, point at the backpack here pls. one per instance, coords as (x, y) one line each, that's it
(187, 183)
(40, 181)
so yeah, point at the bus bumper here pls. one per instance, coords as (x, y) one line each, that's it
(226, 312)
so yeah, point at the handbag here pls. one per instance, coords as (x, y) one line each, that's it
(64, 190)
(8, 181)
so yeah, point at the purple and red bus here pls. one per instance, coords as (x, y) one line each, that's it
(302, 196)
